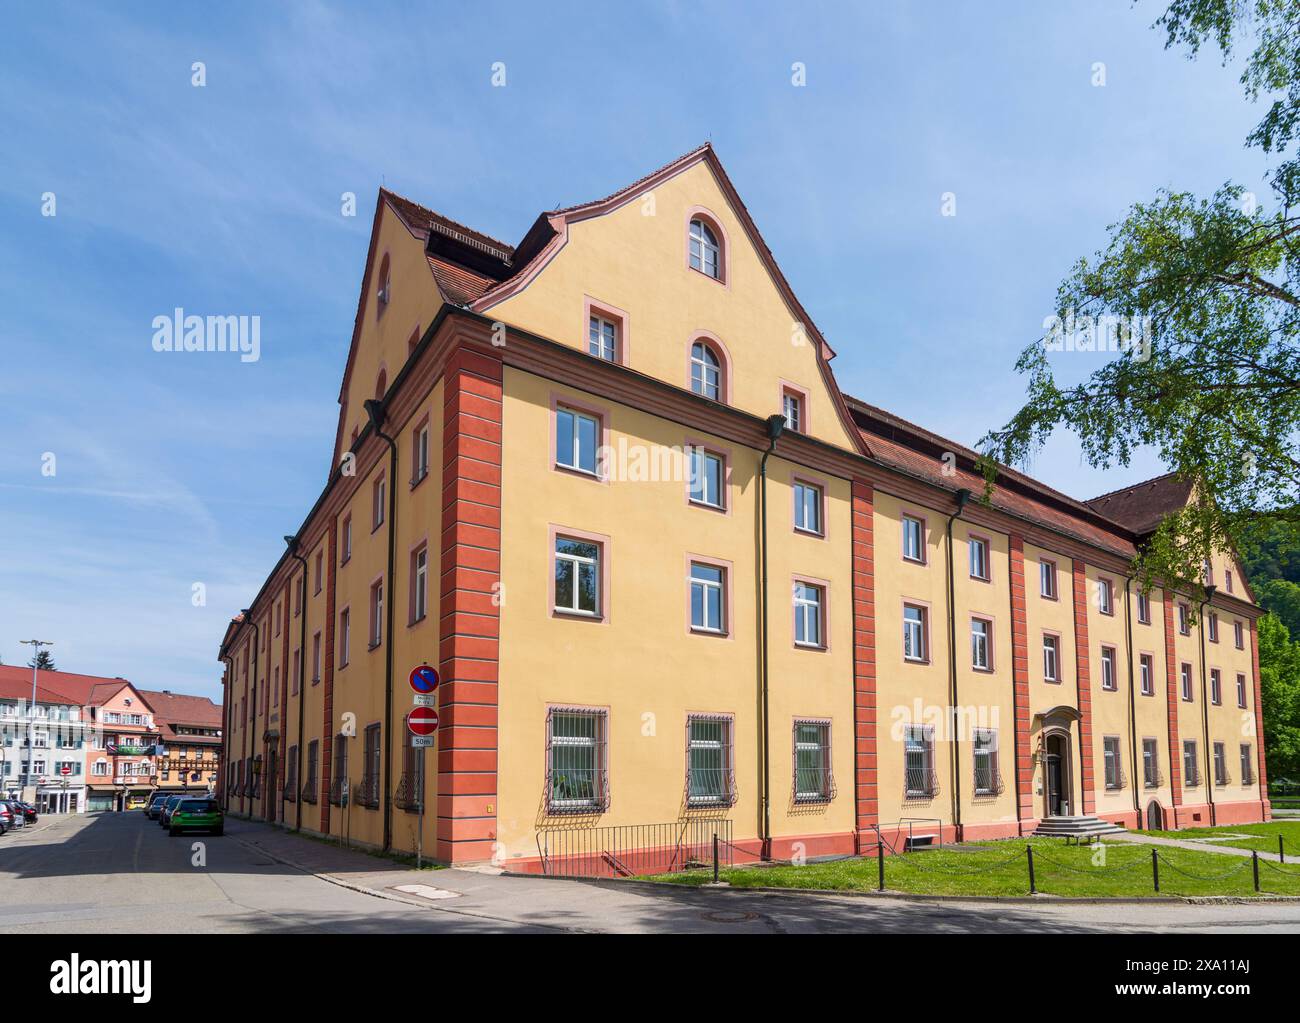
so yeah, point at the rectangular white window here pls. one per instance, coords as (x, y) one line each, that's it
(1147, 671)
(1105, 602)
(807, 614)
(376, 614)
(913, 539)
(812, 762)
(707, 598)
(987, 777)
(709, 774)
(1108, 668)
(1216, 687)
(576, 436)
(1214, 628)
(602, 337)
(345, 646)
(979, 558)
(706, 478)
(1241, 690)
(420, 582)
(315, 658)
(378, 502)
(320, 576)
(1184, 620)
(577, 576)
(420, 454)
(1051, 658)
(575, 761)
(792, 408)
(1047, 579)
(1150, 764)
(1191, 772)
(345, 546)
(808, 508)
(1220, 765)
(1238, 635)
(980, 658)
(914, 645)
(1144, 609)
(1185, 675)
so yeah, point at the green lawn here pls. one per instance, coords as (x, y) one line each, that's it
(1000, 868)
(1263, 836)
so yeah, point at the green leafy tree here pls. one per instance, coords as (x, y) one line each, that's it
(1279, 681)
(42, 661)
(1200, 299)
(1282, 597)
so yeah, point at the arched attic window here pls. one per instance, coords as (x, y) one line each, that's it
(381, 385)
(384, 288)
(707, 370)
(705, 247)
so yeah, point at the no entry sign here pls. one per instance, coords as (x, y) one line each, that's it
(422, 721)
(424, 679)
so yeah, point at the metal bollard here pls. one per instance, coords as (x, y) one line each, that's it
(715, 857)
(1254, 859)
(1033, 889)
(880, 862)
(1155, 870)
(1281, 850)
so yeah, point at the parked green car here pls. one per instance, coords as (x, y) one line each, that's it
(197, 815)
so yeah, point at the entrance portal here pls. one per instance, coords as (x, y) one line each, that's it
(1155, 817)
(1056, 774)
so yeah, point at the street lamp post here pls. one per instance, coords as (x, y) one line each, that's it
(36, 645)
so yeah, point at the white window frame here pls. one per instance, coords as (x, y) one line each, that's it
(809, 610)
(577, 417)
(706, 371)
(1051, 658)
(420, 577)
(705, 249)
(808, 500)
(981, 644)
(978, 549)
(698, 493)
(907, 522)
(915, 634)
(792, 410)
(706, 587)
(578, 561)
(602, 335)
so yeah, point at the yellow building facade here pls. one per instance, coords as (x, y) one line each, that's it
(676, 583)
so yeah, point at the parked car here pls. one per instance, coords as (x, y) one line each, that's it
(6, 818)
(16, 816)
(29, 811)
(192, 814)
(169, 804)
(154, 808)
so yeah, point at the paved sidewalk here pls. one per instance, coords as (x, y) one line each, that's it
(1179, 843)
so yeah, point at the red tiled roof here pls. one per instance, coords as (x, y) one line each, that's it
(1144, 505)
(421, 219)
(68, 687)
(460, 285)
(181, 708)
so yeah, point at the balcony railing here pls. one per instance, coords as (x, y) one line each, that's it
(410, 794)
(367, 792)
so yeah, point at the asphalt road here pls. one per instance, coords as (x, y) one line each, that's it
(120, 873)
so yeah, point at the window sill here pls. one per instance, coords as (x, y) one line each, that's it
(810, 646)
(716, 633)
(345, 561)
(707, 277)
(812, 533)
(983, 671)
(419, 479)
(416, 621)
(1052, 681)
(706, 506)
(916, 660)
(982, 578)
(581, 473)
(373, 646)
(376, 528)
(915, 561)
(579, 616)
(810, 800)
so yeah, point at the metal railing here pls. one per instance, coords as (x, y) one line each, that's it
(628, 850)
(339, 792)
(367, 792)
(410, 793)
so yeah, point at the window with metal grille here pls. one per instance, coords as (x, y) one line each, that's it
(1221, 777)
(291, 775)
(368, 792)
(1151, 764)
(1191, 766)
(710, 771)
(339, 784)
(575, 761)
(1113, 762)
(313, 760)
(813, 782)
(920, 778)
(988, 777)
(1247, 765)
(410, 790)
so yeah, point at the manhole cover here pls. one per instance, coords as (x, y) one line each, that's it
(425, 891)
(729, 918)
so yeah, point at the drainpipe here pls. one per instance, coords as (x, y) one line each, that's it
(963, 495)
(1205, 709)
(252, 728)
(292, 541)
(775, 427)
(224, 766)
(375, 410)
(1132, 697)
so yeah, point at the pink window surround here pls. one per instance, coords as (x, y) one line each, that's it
(601, 414)
(1238, 635)
(707, 216)
(1113, 687)
(825, 617)
(988, 556)
(622, 327)
(723, 355)
(727, 573)
(602, 615)
(805, 410)
(991, 622)
(1149, 658)
(709, 447)
(1109, 585)
(924, 607)
(821, 484)
(908, 513)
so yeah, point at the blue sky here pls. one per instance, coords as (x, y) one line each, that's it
(181, 469)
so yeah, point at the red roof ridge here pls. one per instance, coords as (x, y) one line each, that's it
(1131, 486)
(398, 201)
(702, 148)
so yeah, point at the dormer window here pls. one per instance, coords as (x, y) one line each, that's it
(385, 288)
(706, 371)
(602, 338)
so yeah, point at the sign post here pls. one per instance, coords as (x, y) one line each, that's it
(422, 723)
